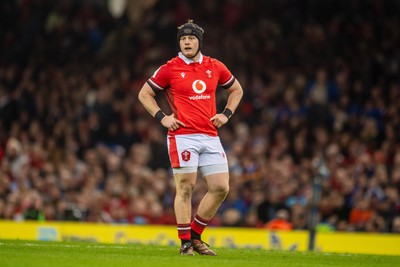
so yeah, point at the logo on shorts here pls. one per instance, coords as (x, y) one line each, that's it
(185, 155)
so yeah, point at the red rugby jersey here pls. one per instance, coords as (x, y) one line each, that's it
(190, 90)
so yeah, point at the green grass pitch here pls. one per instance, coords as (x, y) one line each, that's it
(15, 253)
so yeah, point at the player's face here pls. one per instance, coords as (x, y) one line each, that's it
(189, 45)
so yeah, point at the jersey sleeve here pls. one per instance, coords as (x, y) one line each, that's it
(160, 79)
(226, 79)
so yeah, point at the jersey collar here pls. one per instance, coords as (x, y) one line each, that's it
(188, 60)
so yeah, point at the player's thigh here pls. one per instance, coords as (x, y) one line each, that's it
(183, 151)
(212, 152)
(185, 178)
(217, 182)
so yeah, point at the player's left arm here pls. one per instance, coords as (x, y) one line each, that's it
(235, 95)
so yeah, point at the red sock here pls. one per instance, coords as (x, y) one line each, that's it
(199, 224)
(184, 231)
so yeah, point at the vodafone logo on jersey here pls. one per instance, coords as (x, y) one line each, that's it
(199, 86)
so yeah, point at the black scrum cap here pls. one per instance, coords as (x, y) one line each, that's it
(191, 28)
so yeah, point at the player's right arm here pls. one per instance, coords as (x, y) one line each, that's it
(147, 98)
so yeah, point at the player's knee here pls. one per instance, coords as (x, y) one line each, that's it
(185, 191)
(225, 191)
(221, 190)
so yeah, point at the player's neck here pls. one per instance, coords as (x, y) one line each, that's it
(197, 58)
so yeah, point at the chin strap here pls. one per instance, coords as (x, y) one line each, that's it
(196, 54)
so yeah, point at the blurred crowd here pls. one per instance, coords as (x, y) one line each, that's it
(322, 103)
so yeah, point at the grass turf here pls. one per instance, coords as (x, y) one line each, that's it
(17, 253)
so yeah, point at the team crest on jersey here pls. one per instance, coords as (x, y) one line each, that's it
(185, 155)
(209, 73)
(199, 86)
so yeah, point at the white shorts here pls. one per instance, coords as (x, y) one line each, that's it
(195, 150)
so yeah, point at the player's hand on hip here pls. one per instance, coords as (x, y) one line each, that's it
(171, 123)
(219, 119)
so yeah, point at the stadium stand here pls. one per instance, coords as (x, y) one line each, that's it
(321, 80)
